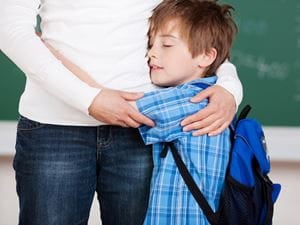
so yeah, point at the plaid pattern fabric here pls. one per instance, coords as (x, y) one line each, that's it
(206, 157)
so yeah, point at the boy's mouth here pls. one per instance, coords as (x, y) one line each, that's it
(155, 67)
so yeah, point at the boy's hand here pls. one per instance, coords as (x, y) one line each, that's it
(216, 117)
(111, 107)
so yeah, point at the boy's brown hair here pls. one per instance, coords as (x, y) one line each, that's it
(203, 24)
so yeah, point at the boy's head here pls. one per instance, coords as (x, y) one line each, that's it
(188, 39)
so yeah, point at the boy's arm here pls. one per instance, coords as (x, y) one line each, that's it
(167, 107)
(222, 105)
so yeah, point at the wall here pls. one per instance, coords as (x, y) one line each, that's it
(267, 56)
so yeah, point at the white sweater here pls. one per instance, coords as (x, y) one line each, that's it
(105, 38)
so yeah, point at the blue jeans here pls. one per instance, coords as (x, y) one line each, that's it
(59, 168)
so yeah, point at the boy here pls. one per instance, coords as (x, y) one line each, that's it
(188, 41)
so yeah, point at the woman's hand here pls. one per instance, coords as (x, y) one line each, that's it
(214, 118)
(115, 108)
(109, 106)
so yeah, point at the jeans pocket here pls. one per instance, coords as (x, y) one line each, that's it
(26, 124)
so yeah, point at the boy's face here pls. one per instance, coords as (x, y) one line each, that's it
(170, 60)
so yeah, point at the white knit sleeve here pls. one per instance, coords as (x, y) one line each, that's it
(20, 43)
(228, 78)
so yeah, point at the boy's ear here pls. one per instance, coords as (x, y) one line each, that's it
(207, 58)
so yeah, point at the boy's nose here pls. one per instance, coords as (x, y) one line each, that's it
(151, 53)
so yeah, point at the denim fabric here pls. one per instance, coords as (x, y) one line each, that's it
(59, 168)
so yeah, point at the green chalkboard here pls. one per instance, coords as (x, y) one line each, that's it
(266, 53)
(11, 86)
(12, 82)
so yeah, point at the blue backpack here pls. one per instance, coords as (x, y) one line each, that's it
(248, 195)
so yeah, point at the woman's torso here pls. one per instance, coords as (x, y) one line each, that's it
(105, 38)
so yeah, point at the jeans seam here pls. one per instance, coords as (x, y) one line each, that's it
(34, 124)
(98, 151)
(107, 141)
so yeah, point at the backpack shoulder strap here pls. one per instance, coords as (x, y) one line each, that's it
(244, 113)
(211, 216)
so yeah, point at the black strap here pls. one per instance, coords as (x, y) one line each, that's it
(244, 113)
(211, 216)
(270, 206)
(267, 192)
(191, 184)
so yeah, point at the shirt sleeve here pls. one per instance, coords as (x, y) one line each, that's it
(167, 107)
(20, 43)
(228, 79)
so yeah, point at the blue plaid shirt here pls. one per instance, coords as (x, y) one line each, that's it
(206, 157)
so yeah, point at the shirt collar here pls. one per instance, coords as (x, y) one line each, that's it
(205, 80)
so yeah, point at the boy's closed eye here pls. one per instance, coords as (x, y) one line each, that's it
(167, 45)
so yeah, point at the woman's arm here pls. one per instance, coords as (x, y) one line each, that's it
(76, 70)
(213, 119)
(224, 99)
(116, 112)
(228, 79)
(20, 43)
